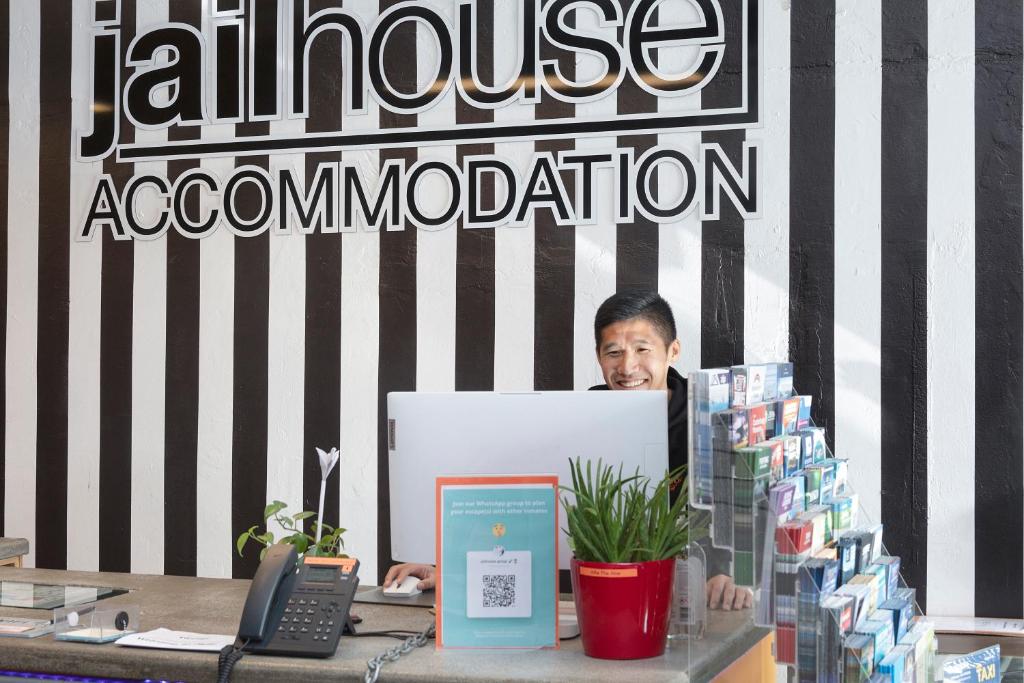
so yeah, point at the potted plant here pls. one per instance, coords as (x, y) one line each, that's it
(322, 545)
(625, 534)
(326, 543)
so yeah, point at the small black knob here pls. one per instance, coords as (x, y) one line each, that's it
(121, 621)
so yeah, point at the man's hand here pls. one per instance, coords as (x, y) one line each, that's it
(425, 572)
(722, 593)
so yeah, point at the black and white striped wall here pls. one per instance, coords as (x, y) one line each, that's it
(158, 393)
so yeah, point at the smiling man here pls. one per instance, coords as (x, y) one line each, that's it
(635, 335)
(636, 342)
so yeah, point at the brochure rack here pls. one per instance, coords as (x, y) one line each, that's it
(772, 508)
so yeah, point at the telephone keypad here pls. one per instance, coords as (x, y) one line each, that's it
(319, 617)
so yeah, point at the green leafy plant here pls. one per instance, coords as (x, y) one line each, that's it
(330, 540)
(616, 518)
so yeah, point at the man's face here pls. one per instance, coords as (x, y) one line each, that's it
(633, 355)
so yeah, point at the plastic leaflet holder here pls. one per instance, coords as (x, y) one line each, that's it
(827, 631)
(841, 609)
(93, 624)
(784, 522)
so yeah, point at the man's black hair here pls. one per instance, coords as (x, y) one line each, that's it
(633, 303)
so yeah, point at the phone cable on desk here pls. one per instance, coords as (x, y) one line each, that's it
(229, 656)
(392, 654)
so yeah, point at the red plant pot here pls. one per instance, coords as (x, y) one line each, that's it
(623, 608)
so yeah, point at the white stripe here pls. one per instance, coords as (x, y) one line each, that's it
(286, 350)
(22, 276)
(85, 268)
(216, 376)
(766, 240)
(857, 324)
(149, 351)
(951, 314)
(360, 343)
(594, 270)
(513, 247)
(679, 259)
(435, 249)
(360, 319)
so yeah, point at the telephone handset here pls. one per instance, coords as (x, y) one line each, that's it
(298, 607)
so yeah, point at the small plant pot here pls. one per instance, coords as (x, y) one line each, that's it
(623, 608)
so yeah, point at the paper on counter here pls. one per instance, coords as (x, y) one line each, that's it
(166, 639)
(984, 626)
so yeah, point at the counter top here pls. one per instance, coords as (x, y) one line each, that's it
(215, 605)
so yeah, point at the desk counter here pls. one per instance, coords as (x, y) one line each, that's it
(215, 605)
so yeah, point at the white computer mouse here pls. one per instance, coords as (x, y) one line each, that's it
(404, 589)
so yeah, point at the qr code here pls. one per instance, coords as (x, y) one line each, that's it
(499, 590)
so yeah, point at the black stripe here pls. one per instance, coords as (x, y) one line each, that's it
(249, 396)
(54, 262)
(5, 120)
(491, 133)
(116, 292)
(474, 268)
(397, 343)
(812, 206)
(722, 281)
(322, 411)
(251, 334)
(265, 85)
(554, 261)
(181, 373)
(999, 501)
(904, 253)
(636, 243)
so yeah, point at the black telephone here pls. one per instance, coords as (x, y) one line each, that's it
(298, 608)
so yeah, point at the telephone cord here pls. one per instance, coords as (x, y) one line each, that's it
(373, 666)
(229, 656)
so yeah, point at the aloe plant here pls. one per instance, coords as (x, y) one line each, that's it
(616, 518)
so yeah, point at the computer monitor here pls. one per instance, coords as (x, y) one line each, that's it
(479, 433)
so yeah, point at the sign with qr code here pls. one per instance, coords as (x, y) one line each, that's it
(498, 584)
(497, 551)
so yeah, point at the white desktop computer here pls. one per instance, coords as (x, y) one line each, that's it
(480, 433)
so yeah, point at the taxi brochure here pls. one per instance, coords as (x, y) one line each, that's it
(977, 667)
(497, 561)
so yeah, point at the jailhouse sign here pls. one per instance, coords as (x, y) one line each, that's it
(251, 62)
